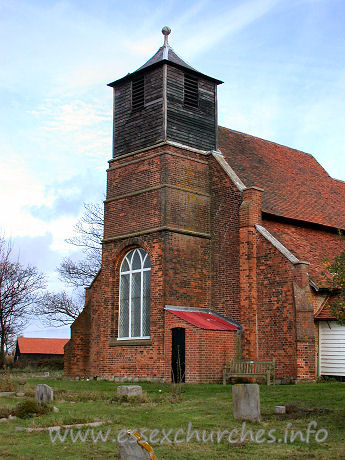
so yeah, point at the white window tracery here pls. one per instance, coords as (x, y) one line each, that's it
(135, 283)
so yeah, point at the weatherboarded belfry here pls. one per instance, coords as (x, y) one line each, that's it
(164, 100)
(213, 244)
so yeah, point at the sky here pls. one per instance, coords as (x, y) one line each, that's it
(282, 63)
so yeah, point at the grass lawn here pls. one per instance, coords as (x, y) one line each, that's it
(206, 407)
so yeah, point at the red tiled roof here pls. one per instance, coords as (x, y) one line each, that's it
(295, 184)
(205, 320)
(41, 346)
(325, 311)
(309, 244)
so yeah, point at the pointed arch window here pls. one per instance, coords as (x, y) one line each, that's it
(135, 283)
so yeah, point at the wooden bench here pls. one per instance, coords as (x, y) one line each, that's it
(264, 369)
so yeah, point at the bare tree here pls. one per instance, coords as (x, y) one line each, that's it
(60, 309)
(20, 288)
(88, 236)
(78, 274)
(89, 231)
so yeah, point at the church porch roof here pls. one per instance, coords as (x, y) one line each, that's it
(203, 318)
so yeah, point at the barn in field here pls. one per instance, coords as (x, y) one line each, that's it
(33, 351)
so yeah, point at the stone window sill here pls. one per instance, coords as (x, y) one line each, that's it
(114, 342)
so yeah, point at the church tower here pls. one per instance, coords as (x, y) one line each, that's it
(158, 223)
(164, 100)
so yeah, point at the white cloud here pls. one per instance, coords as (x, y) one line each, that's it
(19, 190)
(61, 229)
(203, 34)
(35, 329)
(83, 127)
(71, 116)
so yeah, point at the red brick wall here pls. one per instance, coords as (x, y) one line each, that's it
(277, 319)
(276, 310)
(308, 243)
(317, 351)
(77, 351)
(249, 216)
(133, 174)
(305, 329)
(311, 244)
(186, 270)
(160, 187)
(276, 300)
(225, 260)
(127, 215)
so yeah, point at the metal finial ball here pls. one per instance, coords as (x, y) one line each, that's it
(166, 30)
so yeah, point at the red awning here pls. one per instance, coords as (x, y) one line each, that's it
(205, 320)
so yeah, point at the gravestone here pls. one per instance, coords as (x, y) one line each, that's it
(279, 409)
(21, 392)
(246, 402)
(129, 390)
(44, 393)
(132, 448)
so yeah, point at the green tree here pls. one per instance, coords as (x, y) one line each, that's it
(334, 276)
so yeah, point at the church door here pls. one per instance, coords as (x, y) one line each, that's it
(178, 355)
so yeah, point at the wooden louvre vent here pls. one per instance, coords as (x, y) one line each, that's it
(138, 94)
(191, 91)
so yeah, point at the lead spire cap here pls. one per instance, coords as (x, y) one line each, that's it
(165, 54)
(166, 31)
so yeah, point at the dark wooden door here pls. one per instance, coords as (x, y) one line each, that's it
(178, 355)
